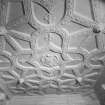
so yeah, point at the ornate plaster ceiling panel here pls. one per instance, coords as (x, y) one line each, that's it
(51, 50)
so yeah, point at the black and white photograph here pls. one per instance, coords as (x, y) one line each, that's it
(52, 52)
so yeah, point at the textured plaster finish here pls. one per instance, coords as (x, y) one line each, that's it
(51, 52)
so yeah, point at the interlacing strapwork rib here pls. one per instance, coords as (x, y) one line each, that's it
(41, 56)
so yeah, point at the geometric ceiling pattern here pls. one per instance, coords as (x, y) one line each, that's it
(51, 47)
